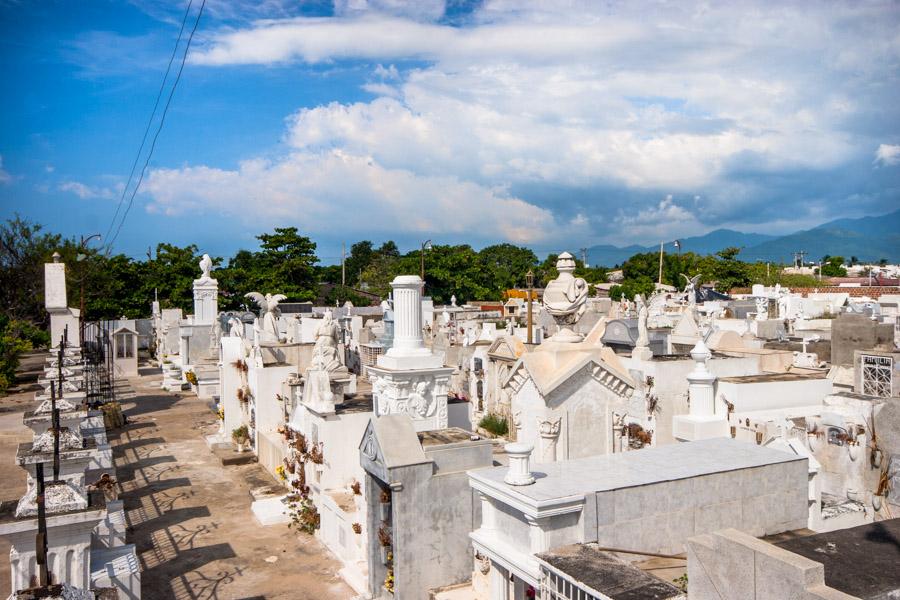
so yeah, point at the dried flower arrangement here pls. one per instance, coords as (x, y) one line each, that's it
(300, 444)
(356, 488)
(304, 514)
(316, 455)
(384, 535)
(240, 435)
(357, 528)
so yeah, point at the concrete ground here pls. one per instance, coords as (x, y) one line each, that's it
(189, 516)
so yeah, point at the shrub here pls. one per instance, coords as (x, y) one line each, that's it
(494, 424)
(16, 337)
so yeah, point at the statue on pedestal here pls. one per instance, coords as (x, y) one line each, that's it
(268, 314)
(690, 289)
(205, 267)
(565, 297)
(643, 312)
(325, 352)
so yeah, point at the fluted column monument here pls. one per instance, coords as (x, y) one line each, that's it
(409, 378)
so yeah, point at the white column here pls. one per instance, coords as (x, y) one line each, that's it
(519, 472)
(499, 582)
(701, 383)
(408, 340)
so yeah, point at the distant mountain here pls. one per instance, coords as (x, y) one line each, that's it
(704, 244)
(868, 238)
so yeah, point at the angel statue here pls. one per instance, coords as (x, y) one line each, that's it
(565, 297)
(235, 327)
(690, 289)
(325, 352)
(268, 314)
(643, 312)
(206, 264)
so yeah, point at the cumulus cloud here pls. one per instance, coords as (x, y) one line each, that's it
(87, 192)
(888, 154)
(638, 99)
(334, 189)
(656, 222)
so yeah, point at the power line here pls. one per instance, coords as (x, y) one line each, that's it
(162, 121)
(149, 122)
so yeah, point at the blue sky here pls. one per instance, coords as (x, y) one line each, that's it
(552, 126)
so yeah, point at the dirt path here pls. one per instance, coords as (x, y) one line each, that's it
(189, 516)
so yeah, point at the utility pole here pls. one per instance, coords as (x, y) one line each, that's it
(426, 245)
(660, 262)
(343, 269)
(529, 279)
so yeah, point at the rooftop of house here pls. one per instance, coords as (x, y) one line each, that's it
(605, 574)
(574, 478)
(860, 561)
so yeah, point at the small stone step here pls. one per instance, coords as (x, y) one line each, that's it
(267, 491)
(228, 456)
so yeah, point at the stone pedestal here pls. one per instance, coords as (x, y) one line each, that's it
(642, 353)
(409, 378)
(703, 421)
(206, 298)
(769, 329)
(419, 393)
(317, 394)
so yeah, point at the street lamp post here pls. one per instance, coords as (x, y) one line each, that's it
(529, 279)
(426, 245)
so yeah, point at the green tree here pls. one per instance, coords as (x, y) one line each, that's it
(24, 249)
(454, 270)
(728, 271)
(361, 255)
(285, 264)
(834, 267)
(172, 273)
(389, 249)
(631, 287)
(506, 265)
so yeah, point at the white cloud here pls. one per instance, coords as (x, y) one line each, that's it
(5, 177)
(707, 101)
(667, 220)
(331, 190)
(888, 154)
(87, 192)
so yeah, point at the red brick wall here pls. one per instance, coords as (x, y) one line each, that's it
(855, 292)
